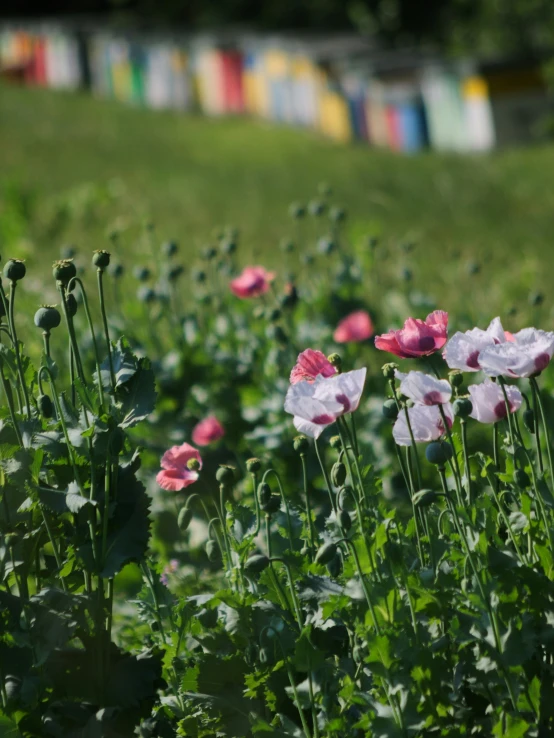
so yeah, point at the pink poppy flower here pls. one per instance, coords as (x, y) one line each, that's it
(489, 404)
(175, 474)
(253, 282)
(207, 431)
(355, 327)
(417, 337)
(464, 349)
(317, 404)
(309, 365)
(426, 422)
(527, 355)
(424, 389)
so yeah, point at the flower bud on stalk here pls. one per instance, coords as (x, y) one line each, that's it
(389, 370)
(71, 304)
(424, 498)
(462, 407)
(529, 419)
(45, 406)
(142, 273)
(184, 518)
(390, 409)
(439, 452)
(334, 567)
(338, 474)
(345, 520)
(212, 551)
(264, 494)
(169, 248)
(117, 270)
(256, 564)
(297, 211)
(456, 378)
(326, 553)
(175, 272)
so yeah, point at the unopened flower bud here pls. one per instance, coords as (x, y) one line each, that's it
(184, 518)
(175, 272)
(345, 520)
(456, 378)
(390, 409)
(71, 305)
(335, 360)
(47, 317)
(199, 276)
(326, 553)
(389, 370)
(424, 498)
(536, 299)
(264, 493)
(326, 246)
(212, 550)
(229, 246)
(287, 246)
(337, 214)
(334, 567)
(208, 253)
(45, 406)
(253, 465)
(193, 464)
(14, 270)
(521, 479)
(146, 294)
(101, 259)
(338, 474)
(225, 474)
(300, 444)
(256, 564)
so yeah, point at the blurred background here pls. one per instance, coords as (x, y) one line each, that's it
(431, 126)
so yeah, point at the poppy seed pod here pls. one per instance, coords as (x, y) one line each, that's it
(212, 551)
(335, 442)
(338, 474)
(256, 564)
(175, 272)
(117, 270)
(390, 409)
(337, 214)
(71, 305)
(193, 464)
(101, 259)
(297, 211)
(326, 553)
(45, 406)
(14, 270)
(142, 273)
(253, 465)
(300, 444)
(456, 378)
(325, 246)
(146, 294)
(64, 271)
(229, 246)
(169, 248)
(439, 452)
(345, 520)
(225, 474)
(208, 253)
(424, 498)
(316, 208)
(389, 370)
(462, 407)
(47, 317)
(273, 505)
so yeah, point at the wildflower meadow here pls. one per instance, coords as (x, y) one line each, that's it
(257, 502)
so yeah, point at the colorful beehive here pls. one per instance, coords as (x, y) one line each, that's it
(445, 109)
(478, 114)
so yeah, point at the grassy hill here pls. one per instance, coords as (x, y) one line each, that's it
(73, 167)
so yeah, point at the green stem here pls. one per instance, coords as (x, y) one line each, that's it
(257, 503)
(17, 350)
(100, 273)
(467, 467)
(76, 280)
(535, 385)
(285, 502)
(326, 477)
(9, 398)
(536, 424)
(311, 531)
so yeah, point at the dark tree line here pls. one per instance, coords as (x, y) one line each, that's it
(458, 25)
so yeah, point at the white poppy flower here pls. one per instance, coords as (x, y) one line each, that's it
(315, 405)
(426, 421)
(527, 355)
(489, 405)
(463, 351)
(424, 389)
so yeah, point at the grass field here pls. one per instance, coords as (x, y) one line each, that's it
(72, 167)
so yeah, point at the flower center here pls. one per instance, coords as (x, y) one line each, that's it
(500, 410)
(344, 401)
(432, 398)
(426, 343)
(472, 360)
(323, 419)
(541, 362)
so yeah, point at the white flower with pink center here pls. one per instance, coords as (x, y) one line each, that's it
(317, 404)
(489, 404)
(424, 389)
(527, 355)
(426, 423)
(463, 351)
